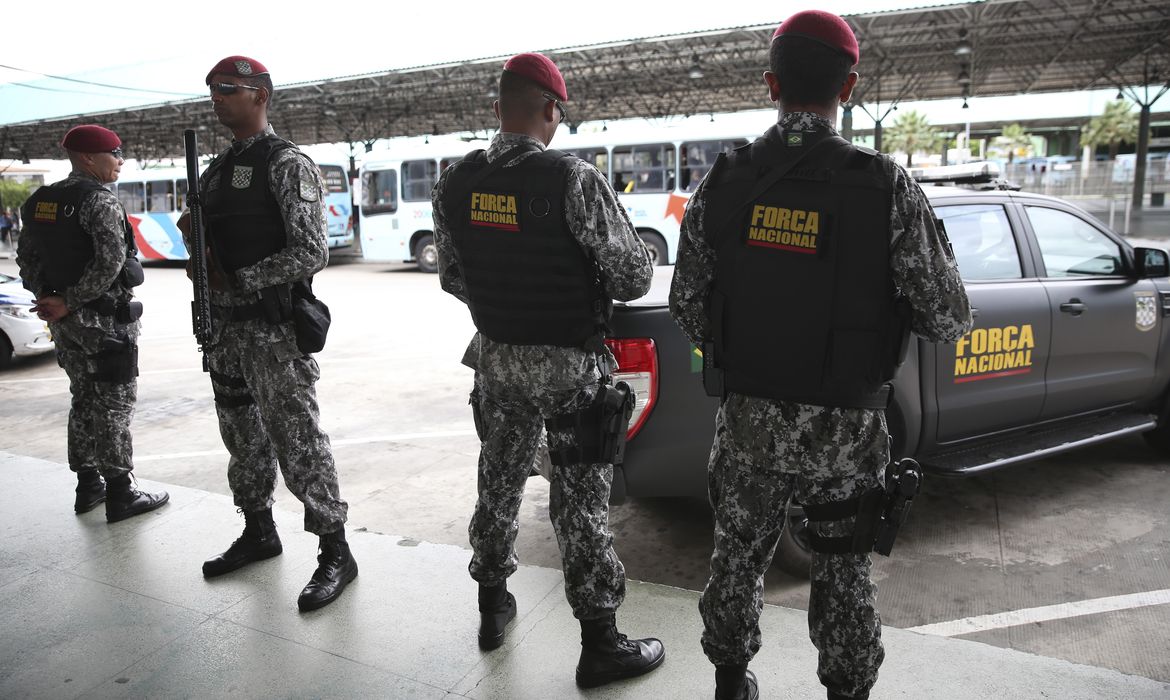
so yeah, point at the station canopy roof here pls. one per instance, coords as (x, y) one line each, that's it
(1016, 47)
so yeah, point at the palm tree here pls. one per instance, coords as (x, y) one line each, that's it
(1015, 141)
(911, 133)
(1118, 125)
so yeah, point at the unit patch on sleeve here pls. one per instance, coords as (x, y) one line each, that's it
(794, 230)
(308, 190)
(494, 210)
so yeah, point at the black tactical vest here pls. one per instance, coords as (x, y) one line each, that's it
(52, 218)
(803, 308)
(528, 281)
(244, 223)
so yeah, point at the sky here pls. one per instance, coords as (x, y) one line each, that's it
(163, 52)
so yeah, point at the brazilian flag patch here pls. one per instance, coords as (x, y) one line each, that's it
(794, 139)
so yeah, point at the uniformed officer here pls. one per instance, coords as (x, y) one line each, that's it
(536, 244)
(801, 263)
(262, 201)
(77, 255)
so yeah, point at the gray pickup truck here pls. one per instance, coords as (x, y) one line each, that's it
(1068, 349)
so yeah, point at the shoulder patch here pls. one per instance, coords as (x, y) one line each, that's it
(308, 190)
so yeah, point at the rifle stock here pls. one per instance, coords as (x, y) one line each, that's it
(201, 305)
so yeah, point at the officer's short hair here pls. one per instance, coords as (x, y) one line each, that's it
(263, 80)
(519, 96)
(808, 71)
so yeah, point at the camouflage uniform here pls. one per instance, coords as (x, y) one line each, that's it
(264, 386)
(766, 451)
(101, 411)
(518, 386)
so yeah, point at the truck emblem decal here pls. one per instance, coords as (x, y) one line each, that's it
(1146, 311)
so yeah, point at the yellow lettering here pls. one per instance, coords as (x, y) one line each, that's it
(798, 220)
(978, 341)
(757, 214)
(475, 200)
(813, 224)
(1026, 340)
(994, 339)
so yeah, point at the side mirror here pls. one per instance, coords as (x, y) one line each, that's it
(1151, 262)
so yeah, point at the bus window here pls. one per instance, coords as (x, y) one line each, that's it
(160, 196)
(379, 192)
(645, 168)
(418, 178)
(180, 194)
(133, 199)
(447, 162)
(697, 157)
(597, 157)
(333, 176)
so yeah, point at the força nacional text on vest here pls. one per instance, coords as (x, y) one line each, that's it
(494, 210)
(994, 352)
(780, 227)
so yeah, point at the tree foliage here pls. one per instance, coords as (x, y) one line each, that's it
(911, 133)
(1015, 141)
(13, 193)
(1117, 125)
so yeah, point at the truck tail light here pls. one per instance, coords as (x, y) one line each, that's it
(637, 360)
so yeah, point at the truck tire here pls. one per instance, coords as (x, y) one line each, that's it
(426, 254)
(793, 555)
(1159, 437)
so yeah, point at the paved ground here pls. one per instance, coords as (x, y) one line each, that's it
(120, 611)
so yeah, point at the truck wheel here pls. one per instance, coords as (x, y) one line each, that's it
(656, 246)
(793, 555)
(426, 254)
(1158, 438)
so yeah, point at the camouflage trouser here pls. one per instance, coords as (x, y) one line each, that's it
(99, 417)
(268, 415)
(509, 427)
(764, 453)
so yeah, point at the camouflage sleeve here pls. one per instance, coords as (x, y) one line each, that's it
(600, 224)
(450, 276)
(694, 271)
(923, 266)
(28, 260)
(296, 183)
(102, 217)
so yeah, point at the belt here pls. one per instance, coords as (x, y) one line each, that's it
(245, 312)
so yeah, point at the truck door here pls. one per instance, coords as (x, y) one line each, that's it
(993, 378)
(1104, 322)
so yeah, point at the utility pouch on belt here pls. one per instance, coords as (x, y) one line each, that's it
(276, 302)
(599, 429)
(311, 319)
(129, 312)
(117, 361)
(878, 513)
(132, 273)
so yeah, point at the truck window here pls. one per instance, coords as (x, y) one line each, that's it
(982, 239)
(643, 168)
(1071, 247)
(695, 159)
(418, 178)
(379, 192)
(132, 196)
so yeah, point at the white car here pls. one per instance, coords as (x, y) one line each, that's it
(21, 332)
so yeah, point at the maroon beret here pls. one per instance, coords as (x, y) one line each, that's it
(90, 138)
(540, 70)
(239, 66)
(824, 27)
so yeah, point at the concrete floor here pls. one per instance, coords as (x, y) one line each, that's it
(89, 609)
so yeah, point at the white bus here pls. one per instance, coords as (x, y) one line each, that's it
(154, 198)
(653, 169)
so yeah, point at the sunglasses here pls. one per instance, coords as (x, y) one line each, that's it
(228, 88)
(117, 153)
(560, 107)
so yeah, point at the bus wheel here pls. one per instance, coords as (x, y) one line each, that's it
(426, 254)
(656, 247)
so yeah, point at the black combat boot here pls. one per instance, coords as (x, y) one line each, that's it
(335, 569)
(91, 490)
(258, 542)
(124, 500)
(735, 683)
(497, 608)
(607, 655)
(838, 696)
